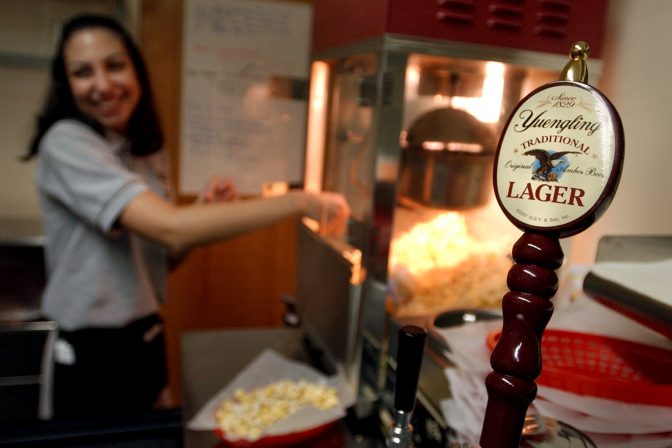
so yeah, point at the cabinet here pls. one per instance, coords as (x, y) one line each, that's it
(548, 26)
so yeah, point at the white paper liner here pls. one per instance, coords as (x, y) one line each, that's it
(267, 368)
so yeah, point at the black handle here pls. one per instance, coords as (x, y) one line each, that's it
(410, 349)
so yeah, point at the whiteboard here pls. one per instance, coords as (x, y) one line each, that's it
(245, 73)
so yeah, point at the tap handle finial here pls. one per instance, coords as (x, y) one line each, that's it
(576, 68)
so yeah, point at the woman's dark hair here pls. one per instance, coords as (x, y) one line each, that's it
(144, 129)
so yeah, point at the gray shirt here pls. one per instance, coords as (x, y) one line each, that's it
(98, 275)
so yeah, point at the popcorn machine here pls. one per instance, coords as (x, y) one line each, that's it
(405, 109)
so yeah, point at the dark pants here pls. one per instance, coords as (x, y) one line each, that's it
(116, 371)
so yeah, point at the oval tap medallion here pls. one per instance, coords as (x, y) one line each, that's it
(559, 159)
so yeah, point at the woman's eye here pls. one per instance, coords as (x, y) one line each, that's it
(81, 72)
(116, 66)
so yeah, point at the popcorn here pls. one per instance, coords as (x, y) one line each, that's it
(247, 414)
(438, 266)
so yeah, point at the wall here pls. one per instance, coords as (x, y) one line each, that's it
(637, 64)
(21, 89)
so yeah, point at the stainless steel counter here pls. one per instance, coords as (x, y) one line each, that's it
(210, 359)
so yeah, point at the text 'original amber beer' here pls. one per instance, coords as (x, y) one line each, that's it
(557, 167)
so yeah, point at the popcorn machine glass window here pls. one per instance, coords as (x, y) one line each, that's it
(409, 138)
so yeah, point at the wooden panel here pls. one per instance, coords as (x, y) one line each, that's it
(233, 284)
(161, 42)
(236, 283)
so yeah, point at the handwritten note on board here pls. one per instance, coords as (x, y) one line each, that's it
(244, 92)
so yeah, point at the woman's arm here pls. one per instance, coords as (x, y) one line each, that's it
(181, 228)
(215, 190)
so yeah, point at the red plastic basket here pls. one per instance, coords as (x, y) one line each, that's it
(604, 367)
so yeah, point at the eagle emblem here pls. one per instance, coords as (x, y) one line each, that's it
(550, 165)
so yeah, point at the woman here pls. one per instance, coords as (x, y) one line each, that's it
(109, 225)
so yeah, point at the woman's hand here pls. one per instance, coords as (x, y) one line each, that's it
(218, 190)
(330, 210)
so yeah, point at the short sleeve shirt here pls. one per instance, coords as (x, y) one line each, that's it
(98, 275)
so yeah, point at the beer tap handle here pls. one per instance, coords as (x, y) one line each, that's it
(532, 280)
(410, 351)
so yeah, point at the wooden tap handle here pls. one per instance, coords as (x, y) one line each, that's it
(557, 167)
(516, 359)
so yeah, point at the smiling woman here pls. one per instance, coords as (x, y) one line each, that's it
(111, 230)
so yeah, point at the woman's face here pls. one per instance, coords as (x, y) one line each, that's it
(102, 77)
